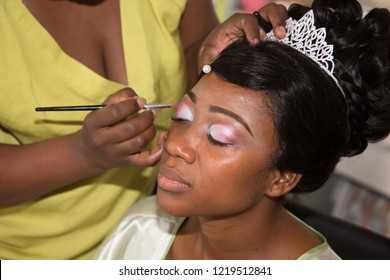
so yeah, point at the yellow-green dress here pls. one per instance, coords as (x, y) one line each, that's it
(70, 223)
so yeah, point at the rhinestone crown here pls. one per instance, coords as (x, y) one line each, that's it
(303, 36)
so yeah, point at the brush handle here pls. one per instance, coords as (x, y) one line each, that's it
(95, 107)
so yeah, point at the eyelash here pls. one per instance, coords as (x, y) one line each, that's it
(215, 142)
(176, 119)
(209, 137)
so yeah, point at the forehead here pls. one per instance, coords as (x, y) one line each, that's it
(212, 90)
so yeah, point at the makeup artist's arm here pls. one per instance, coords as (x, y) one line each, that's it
(240, 25)
(107, 139)
(198, 20)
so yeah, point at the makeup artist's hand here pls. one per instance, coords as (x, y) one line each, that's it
(242, 25)
(115, 135)
(110, 137)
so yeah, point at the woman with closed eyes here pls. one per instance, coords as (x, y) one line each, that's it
(261, 122)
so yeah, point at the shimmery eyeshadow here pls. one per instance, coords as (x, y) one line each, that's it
(223, 134)
(184, 112)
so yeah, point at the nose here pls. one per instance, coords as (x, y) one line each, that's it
(180, 144)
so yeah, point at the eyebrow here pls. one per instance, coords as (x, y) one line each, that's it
(217, 109)
(192, 96)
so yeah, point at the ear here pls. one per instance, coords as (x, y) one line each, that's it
(283, 182)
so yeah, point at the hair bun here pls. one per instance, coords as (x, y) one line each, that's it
(362, 51)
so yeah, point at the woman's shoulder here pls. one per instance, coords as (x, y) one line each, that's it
(322, 251)
(144, 232)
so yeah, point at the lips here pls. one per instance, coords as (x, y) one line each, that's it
(169, 180)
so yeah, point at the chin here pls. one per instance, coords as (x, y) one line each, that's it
(171, 204)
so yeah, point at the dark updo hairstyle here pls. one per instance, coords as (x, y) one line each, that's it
(315, 123)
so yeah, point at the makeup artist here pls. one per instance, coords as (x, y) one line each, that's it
(65, 179)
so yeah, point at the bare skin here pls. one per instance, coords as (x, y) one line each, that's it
(275, 237)
(95, 43)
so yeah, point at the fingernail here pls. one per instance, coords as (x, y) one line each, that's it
(255, 41)
(281, 30)
(141, 102)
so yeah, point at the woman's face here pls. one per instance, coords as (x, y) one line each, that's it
(217, 156)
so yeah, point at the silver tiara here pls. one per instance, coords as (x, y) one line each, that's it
(303, 36)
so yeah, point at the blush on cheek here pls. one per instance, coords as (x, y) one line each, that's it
(184, 112)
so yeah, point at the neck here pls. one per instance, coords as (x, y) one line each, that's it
(250, 235)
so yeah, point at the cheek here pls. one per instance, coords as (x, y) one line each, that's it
(243, 174)
(229, 189)
(227, 173)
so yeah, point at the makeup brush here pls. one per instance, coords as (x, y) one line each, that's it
(96, 107)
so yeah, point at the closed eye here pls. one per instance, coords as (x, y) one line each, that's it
(184, 113)
(215, 142)
(178, 119)
(222, 135)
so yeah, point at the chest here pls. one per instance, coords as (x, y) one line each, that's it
(88, 31)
